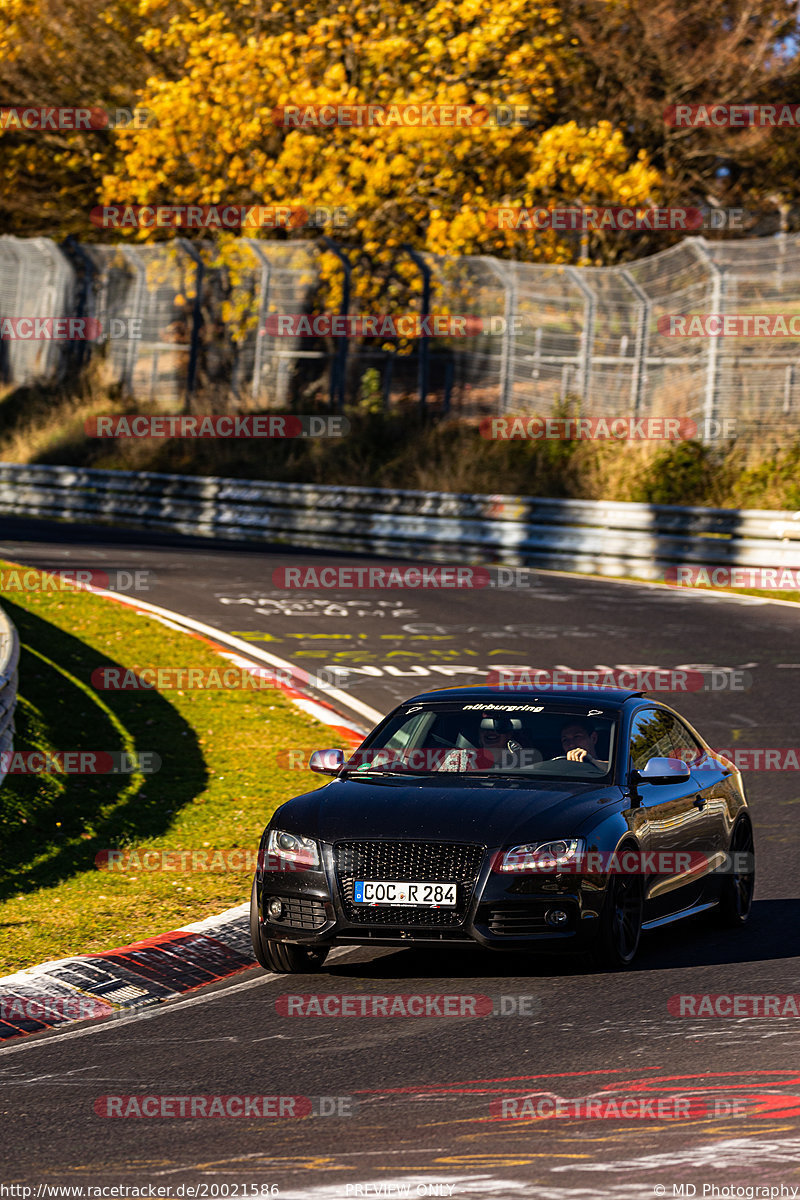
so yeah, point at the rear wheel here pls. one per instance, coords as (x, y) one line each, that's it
(620, 922)
(282, 958)
(736, 897)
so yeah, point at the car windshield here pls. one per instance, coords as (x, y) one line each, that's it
(520, 738)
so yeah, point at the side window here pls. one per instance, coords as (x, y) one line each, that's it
(687, 746)
(412, 730)
(658, 734)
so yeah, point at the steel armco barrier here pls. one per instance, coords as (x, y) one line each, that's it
(584, 536)
(9, 664)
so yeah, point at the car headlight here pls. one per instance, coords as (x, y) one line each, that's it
(285, 848)
(562, 855)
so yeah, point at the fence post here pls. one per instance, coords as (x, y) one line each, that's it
(641, 342)
(261, 326)
(197, 320)
(73, 247)
(587, 334)
(339, 364)
(509, 312)
(424, 362)
(132, 348)
(699, 247)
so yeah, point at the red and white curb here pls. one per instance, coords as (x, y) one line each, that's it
(94, 986)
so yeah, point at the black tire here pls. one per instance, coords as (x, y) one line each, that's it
(620, 923)
(736, 896)
(282, 958)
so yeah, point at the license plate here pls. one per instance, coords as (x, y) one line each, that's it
(425, 895)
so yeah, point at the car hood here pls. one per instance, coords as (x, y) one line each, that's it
(493, 813)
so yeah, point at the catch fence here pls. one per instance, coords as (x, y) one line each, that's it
(187, 318)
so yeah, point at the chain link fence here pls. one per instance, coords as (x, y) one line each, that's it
(599, 336)
(187, 317)
(36, 279)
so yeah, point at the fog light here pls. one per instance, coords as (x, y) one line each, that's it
(557, 916)
(275, 908)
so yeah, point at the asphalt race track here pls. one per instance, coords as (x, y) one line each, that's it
(415, 1099)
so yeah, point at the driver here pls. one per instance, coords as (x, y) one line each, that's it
(579, 743)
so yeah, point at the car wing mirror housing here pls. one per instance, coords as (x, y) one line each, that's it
(661, 771)
(326, 762)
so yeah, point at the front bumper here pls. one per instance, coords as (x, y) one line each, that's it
(497, 911)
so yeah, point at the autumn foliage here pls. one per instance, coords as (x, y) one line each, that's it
(593, 75)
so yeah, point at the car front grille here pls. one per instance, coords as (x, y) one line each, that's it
(429, 862)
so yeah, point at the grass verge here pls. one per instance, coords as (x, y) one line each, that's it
(218, 783)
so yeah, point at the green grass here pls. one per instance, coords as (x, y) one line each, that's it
(219, 781)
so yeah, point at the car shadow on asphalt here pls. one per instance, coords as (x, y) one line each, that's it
(773, 932)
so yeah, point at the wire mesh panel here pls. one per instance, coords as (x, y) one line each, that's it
(674, 369)
(278, 363)
(549, 351)
(473, 370)
(756, 376)
(116, 294)
(146, 299)
(36, 281)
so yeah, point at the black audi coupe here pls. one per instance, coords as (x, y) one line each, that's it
(571, 819)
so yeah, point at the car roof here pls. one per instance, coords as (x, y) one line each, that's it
(609, 697)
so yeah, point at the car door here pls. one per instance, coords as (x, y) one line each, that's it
(675, 820)
(716, 797)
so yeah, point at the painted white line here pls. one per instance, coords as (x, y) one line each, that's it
(109, 1024)
(306, 703)
(653, 584)
(182, 622)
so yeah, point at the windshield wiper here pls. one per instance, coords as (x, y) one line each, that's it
(380, 769)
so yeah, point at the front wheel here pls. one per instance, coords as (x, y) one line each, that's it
(282, 958)
(736, 897)
(620, 922)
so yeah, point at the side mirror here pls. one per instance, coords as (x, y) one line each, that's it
(662, 770)
(326, 762)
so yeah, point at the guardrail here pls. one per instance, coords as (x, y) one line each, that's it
(9, 663)
(585, 536)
